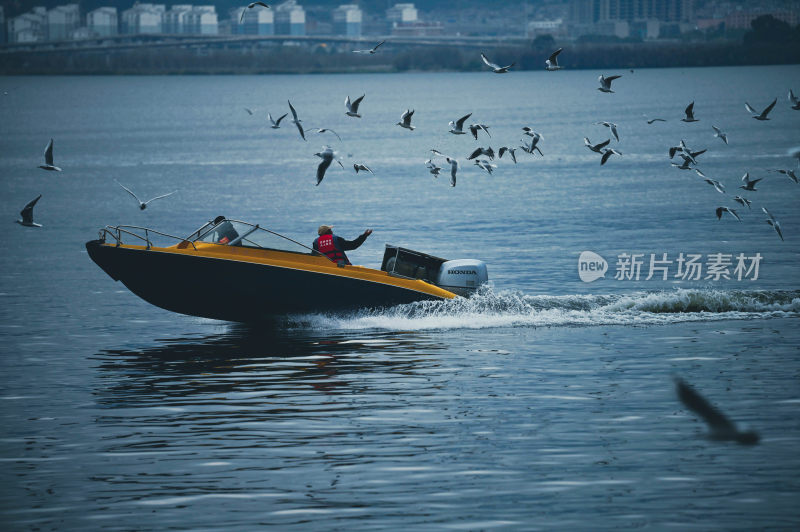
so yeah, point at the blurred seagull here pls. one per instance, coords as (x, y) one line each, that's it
(27, 214)
(474, 128)
(457, 127)
(773, 222)
(453, 170)
(327, 157)
(530, 132)
(552, 62)
(788, 173)
(611, 126)
(250, 112)
(720, 426)
(489, 152)
(597, 148)
(795, 101)
(716, 184)
(48, 159)
(749, 184)
(686, 165)
(296, 121)
(432, 168)
(606, 154)
(323, 130)
(605, 83)
(497, 69)
(689, 112)
(276, 123)
(655, 120)
(143, 204)
(742, 201)
(764, 113)
(721, 210)
(530, 148)
(510, 151)
(362, 167)
(352, 107)
(405, 120)
(486, 165)
(370, 50)
(251, 6)
(720, 134)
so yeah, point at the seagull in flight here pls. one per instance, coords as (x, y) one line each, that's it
(773, 222)
(655, 120)
(143, 204)
(296, 121)
(510, 151)
(453, 170)
(742, 201)
(457, 127)
(323, 130)
(719, 133)
(327, 157)
(362, 167)
(788, 173)
(474, 128)
(352, 107)
(605, 83)
(721, 428)
(716, 184)
(721, 210)
(432, 168)
(606, 154)
(249, 111)
(686, 165)
(795, 100)
(530, 148)
(552, 62)
(405, 120)
(597, 148)
(486, 165)
(689, 112)
(749, 184)
(251, 6)
(276, 123)
(48, 159)
(497, 69)
(370, 51)
(27, 214)
(611, 126)
(489, 152)
(763, 114)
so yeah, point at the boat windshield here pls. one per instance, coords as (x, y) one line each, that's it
(236, 233)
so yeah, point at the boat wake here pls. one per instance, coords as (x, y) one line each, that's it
(489, 308)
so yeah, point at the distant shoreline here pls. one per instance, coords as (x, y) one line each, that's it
(295, 60)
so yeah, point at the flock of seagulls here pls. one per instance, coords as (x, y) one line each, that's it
(484, 157)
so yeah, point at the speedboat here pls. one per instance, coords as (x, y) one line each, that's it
(237, 271)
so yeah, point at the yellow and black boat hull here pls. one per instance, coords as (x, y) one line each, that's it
(248, 284)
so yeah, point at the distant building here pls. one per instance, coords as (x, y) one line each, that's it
(103, 22)
(202, 20)
(62, 21)
(173, 20)
(143, 18)
(401, 14)
(2, 26)
(616, 17)
(256, 21)
(28, 27)
(290, 18)
(347, 20)
(417, 29)
(546, 27)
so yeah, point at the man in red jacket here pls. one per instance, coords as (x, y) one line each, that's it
(333, 246)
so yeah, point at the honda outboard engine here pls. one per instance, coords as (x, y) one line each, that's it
(462, 276)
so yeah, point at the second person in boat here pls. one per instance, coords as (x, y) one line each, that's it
(333, 246)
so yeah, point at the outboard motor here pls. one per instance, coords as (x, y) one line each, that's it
(462, 276)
